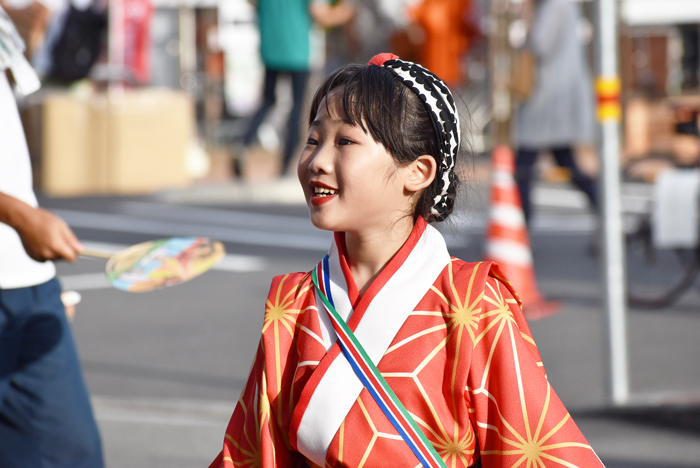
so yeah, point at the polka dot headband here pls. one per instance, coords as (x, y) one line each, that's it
(433, 92)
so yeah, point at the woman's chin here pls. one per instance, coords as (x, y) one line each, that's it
(322, 224)
(323, 220)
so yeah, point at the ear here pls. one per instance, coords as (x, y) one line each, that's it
(421, 173)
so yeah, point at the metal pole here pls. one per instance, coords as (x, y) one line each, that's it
(609, 113)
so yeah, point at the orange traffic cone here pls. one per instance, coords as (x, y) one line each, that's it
(507, 242)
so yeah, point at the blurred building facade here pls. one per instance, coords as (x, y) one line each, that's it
(207, 51)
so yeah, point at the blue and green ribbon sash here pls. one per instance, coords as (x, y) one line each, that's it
(371, 378)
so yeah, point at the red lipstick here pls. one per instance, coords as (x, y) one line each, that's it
(323, 196)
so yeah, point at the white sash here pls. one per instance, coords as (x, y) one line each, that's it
(339, 387)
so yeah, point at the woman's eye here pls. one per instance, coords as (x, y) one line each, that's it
(345, 141)
(311, 141)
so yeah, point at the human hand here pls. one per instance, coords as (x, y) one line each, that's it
(45, 236)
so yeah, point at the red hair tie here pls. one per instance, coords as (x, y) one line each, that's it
(379, 59)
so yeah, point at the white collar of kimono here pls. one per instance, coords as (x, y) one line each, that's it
(339, 387)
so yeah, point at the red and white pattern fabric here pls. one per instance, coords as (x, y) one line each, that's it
(462, 361)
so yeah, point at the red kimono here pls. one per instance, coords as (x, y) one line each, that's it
(450, 339)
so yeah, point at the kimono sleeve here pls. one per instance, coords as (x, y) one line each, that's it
(252, 437)
(518, 419)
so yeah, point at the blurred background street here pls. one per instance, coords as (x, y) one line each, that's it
(156, 118)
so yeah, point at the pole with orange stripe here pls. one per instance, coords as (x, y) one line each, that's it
(609, 114)
(608, 92)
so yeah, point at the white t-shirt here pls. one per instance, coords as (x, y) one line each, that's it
(17, 270)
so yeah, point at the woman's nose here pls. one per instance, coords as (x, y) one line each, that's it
(321, 160)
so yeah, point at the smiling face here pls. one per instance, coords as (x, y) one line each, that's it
(350, 181)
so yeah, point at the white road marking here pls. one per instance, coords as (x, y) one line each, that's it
(476, 223)
(122, 223)
(169, 412)
(553, 197)
(240, 219)
(166, 420)
(240, 263)
(84, 282)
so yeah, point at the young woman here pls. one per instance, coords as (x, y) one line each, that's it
(466, 382)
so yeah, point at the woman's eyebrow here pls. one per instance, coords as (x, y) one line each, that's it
(337, 121)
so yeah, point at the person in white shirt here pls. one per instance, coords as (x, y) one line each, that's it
(45, 414)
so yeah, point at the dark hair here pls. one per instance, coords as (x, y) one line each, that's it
(376, 100)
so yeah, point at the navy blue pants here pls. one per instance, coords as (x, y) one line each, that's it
(299, 81)
(524, 162)
(45, 415)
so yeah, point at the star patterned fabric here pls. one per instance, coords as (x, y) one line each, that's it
(463, 363)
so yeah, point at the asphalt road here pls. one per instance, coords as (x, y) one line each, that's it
(165, 368)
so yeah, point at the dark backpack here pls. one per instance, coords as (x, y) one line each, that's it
(79, 45)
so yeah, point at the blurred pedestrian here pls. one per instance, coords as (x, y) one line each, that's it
(30, 19)
(447, 34)
(285, 29)
(372, 27)
(45, 414)
(75, 38)
(559, 114)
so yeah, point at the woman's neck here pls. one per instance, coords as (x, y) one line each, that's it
(369, 253)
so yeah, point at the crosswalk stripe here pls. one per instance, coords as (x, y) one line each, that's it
(170, 412)
(84, 282)
(125, 223)
(236, 218)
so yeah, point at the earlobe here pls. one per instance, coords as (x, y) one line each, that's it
(421, 173)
